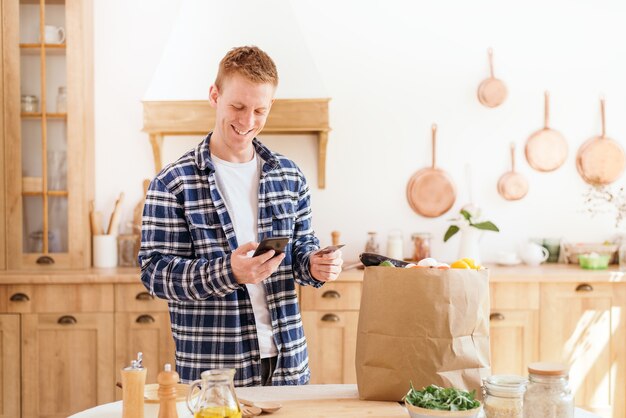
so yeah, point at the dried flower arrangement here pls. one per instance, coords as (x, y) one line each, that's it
(603, 199)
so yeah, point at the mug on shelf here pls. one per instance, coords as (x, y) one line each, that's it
(54, 34)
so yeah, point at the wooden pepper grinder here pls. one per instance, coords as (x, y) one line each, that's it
(133, 382)
(335, 237)
(167, 380)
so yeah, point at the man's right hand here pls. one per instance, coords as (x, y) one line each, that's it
(253, 270)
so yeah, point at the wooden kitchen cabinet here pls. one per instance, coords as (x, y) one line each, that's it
(142, 323)
(47, 152)
(514, 327)
(330, 318)
(331, 338)
(69, 366)
(9, 366)
(67, 343)
(582, 325)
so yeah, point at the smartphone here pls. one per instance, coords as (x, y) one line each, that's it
(330, 249)
(277, 244)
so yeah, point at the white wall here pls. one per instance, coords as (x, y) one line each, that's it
(392, 68)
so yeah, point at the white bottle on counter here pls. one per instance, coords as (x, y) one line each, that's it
(395, 246)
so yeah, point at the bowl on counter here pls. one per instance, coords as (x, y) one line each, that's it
(594, 261)
(417, 412)
(572, 252)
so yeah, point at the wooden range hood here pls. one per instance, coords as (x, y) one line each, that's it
(197, 117)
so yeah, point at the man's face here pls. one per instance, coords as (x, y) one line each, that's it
(241, 109)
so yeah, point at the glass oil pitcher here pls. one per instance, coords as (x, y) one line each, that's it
(216, 398)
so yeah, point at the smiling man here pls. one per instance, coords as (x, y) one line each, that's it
(204, 215)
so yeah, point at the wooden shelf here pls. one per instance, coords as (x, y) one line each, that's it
(47, 1)
(35, 49)
(51, 193)
(33, 186)
(196, 117)
(26, 115)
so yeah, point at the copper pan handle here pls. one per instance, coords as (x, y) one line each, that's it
(546, 114)
(512, 156)
(490, 53)
(602, 115)
(434, 129)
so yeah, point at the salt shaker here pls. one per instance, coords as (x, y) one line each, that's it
(167, 380)
(133, 382)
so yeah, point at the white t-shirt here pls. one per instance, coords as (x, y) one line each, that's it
(238, 184)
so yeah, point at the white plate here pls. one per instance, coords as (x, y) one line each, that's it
(509, 263)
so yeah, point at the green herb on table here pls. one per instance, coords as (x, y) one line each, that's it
(444, 399)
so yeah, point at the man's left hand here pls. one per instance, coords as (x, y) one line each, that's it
(325, 267)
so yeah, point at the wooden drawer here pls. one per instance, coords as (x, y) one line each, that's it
(331, 296)
(53, 298)
(514, 296)
(135, 298)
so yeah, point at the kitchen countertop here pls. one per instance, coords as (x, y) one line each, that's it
(312, 401)
(544, 273)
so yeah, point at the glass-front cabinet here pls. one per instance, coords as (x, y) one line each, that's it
(48, 135)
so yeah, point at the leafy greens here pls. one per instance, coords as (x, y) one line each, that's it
(445, 399)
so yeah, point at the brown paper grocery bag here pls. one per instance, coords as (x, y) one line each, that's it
(422, 325)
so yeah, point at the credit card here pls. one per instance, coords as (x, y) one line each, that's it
(330, 249)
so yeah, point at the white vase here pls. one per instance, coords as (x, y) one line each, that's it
(469, 247)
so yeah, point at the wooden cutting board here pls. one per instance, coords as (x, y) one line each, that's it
(338, 408)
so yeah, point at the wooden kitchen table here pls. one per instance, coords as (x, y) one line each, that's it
(311, 401)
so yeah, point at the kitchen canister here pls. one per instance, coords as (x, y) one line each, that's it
(104, 251)
(504, 396)
(548, 394)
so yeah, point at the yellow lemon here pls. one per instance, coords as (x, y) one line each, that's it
(470, 262)
(460, 264)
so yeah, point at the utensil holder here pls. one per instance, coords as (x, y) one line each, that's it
(104, 251)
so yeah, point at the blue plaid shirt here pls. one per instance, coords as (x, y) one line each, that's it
(186, 241)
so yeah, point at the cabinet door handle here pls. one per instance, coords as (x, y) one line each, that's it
(584, 288)
(144, 296)
(45, 259)
(496, 316)
(330, 317)
(67, 320)
(19, 297)
(145, 319)
(331, 294)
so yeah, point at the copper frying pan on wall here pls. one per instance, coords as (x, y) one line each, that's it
(430, 191)
(600, 160)
(512, 185)
(492, 91)
(546, 150)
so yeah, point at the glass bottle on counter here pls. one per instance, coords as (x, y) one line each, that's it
(395, 245)
(504, 396)
(371, 246)
(548, 394)
(421, 245)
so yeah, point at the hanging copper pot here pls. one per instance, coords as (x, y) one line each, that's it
(600, 160)
(492, 91)
(512, 185)
(430, 191)
(546, 150)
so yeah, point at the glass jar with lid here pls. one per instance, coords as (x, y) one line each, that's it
(421, 245)
(504, 396)
(548, 394)
(30, 103)
(372, 246)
